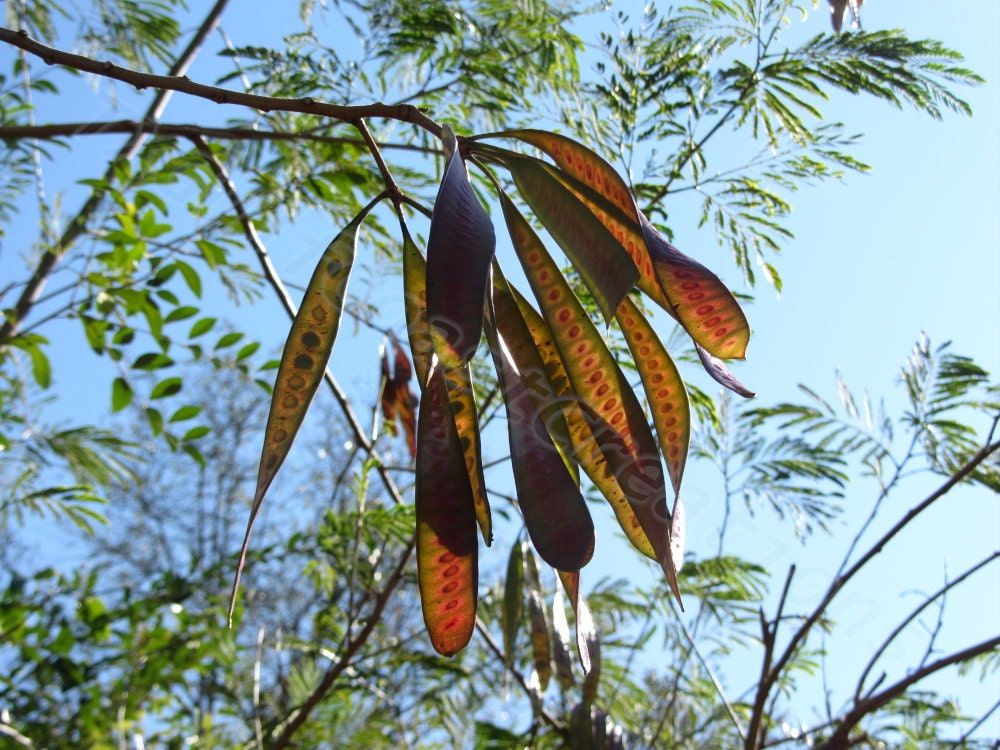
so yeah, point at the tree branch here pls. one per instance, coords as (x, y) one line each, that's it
(768, 679)
(840, 738)
(46, 265)
(177, 82)
(337, 668)
(57, 130)
(494, 647)
(909, 618)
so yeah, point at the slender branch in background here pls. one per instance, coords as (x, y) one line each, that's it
(8, 731)
(58, 130)
(768, 679)
(494, 647)
(244, 78)
(840, 736)
(960, 742)
(78, 225)
(909, 618)
(271, 274)
(350, 649)
(754, 737)
(899, 466)
(719, 689)
(175, 82)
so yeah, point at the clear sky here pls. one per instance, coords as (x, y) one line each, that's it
(913, 246)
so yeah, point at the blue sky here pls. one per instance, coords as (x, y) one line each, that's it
(912, 246)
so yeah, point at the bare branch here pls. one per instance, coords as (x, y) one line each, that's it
(770, 677)
(840, 737)
(176, 82)
(351, 648)
(494, 647)
(58, 130)
(51, 257)
(909, 618)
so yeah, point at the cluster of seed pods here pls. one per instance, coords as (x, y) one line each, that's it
(570, 407)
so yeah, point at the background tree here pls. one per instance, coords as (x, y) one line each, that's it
(348, 662)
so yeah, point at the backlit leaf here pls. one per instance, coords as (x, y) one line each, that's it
(406, 400)
(541, 647)
(587, 644)
(447, 547)
(699, 300)
(513, 600)
(303, 362)
(691, 293)
(560, 641)
(387, 388)
(459, 250)
(415, 306)
(121, 394)
(608, 401)
(463, 408)
(617, 211)
(585, 448)
(665, 390)
(601, 261)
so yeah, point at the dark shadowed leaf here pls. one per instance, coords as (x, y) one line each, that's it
(721, 374)
(459, 250)
(554, 510)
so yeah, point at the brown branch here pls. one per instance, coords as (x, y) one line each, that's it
(917, 610)
(58, 130)
(840, 738)
(51, 257)
(175, 82)
(768, 679)
(288, 730)
(533, 695)
(769, 636)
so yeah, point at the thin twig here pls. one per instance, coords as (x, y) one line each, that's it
(186, 130)
(179, 83)
(960, 742)
(730, 708)
(494, 647)
(840, 737)
(258, 658)
(351, 648)
(909, 618)
(769, 634)
(768, 679)
(52, 256)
